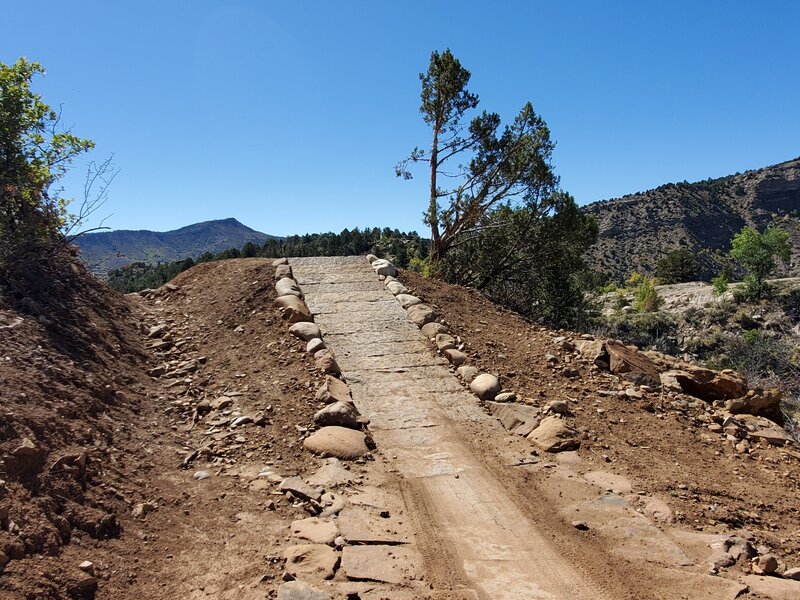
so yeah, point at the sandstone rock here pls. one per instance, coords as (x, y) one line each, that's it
(557, 407)
(792, 574)
(518, 419)
(467, 372)
(280, 261)
(456, 357)
(305, 331)
(756, 402)
(421, 314)
(371, 258)
(287, 286)
(293, 309)
(595, 351)
(623, 359)
(200, 475)
(444, 341)
(299, 590)
(659, 511)
(341, 414)
(719, 559)
(312, 560)
(396, 288)
(766, 564)
(485, 386)
(325, 362)
(384, 267)
(315, 530)
(339, 442)
(314, 345)
(158, 331)
(300, 489)
(772, 587)
(554, 435)
(282, 271)
(388, 564)
(704, 383)
(333, 390)
(431, 330)
(407, 300)
(506, 397)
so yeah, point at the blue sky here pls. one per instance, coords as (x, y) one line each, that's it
(291, 115)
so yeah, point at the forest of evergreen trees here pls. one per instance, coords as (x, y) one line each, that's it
(398, 246)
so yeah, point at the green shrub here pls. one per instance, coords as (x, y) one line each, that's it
(720, 284)
(646, 298)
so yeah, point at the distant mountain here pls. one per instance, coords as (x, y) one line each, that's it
(637, 230)
(110, 250)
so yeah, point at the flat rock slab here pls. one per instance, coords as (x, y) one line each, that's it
(773, 588)
(361, 525)
(315, 530)
(388, 564)
(315, 561)
(298, 590)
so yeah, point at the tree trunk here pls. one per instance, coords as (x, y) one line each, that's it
(433, 207)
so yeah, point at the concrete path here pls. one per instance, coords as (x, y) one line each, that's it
(472, 527)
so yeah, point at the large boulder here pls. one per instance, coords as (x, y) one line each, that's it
(293, 309)
(340, 414)
(421, 314)
(554, 435)
(485, 386)
(305, 330)
(339, 442)
(286, 286)
(455, 357)
(444, 341)
(280, 261)
(704, 383)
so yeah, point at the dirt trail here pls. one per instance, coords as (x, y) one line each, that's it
(414, 404)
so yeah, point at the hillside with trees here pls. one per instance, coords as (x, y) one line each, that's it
(639, 230)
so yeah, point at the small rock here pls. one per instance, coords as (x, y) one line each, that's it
(314, 345)
(506, 397)
(485, 386)
(87, 566)
(396, 288)
(384, 267)
(325, 362)
(421, 314)
(455, 357)
(299, 590)
(431, 330)
(342, 414)
(158, 331)
(305, 331)
(200, 475)
(570, 373)
(444, 341)
(299, 488)
(792, 574)
(558, 407)
(407, 300)
(243, 420)
(553, 435)
(580, 525)
(141, 510)
(333, 390)
(467, 373)
(766, 564)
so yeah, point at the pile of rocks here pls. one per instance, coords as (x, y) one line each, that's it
(546, 429)
(340, 434)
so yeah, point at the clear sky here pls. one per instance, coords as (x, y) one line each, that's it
(290, 116)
